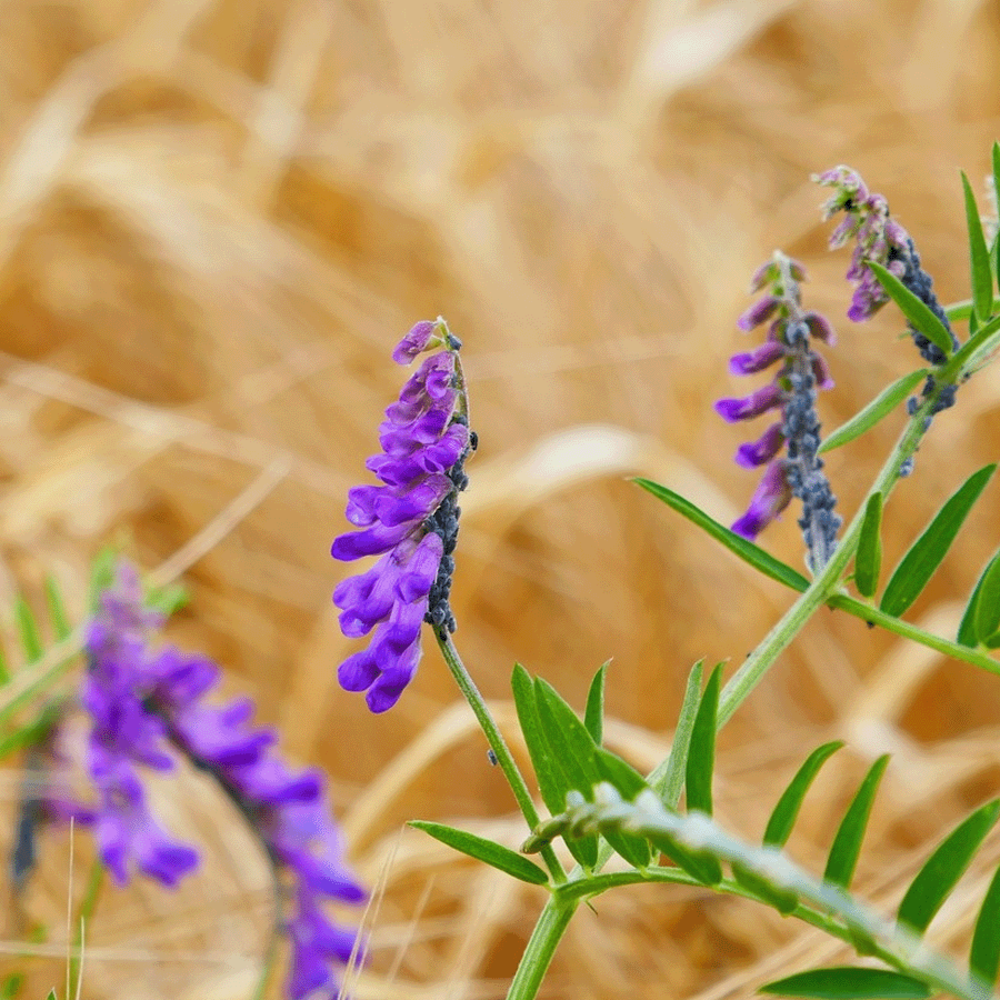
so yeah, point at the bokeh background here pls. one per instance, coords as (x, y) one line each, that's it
(217, 217)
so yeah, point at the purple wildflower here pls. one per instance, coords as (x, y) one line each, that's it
(880, 239)
(147, 710)
(411, 521)
(793, 391)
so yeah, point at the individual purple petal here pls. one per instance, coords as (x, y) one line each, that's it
(370, 542)
(750, 406)
(757, 360)
(772, 496)
(418, 340)
(821, 372)
(420, 570)
(761, 451)
(758, 312)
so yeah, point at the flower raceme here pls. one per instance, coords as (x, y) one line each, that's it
(147, 710)
(792, 395)
(410, 521)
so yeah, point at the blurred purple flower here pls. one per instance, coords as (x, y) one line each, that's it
(411, 521)
(147, 709)
(792, 391)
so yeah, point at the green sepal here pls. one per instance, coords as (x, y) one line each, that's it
(879, 408)
(918, 565)
(779, 826)
(593, 716)
(846, 847)
(868, 558)
(493, 854)
(747, 551)
(849, 983)
(984, 955)
(701, 751)
(944, 868)
(916, 311)
(979, 257)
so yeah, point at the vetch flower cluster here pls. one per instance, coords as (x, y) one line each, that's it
(411, 521)
(792, 396)
(880, 239)
(147, 709)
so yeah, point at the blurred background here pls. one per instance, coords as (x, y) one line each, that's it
(218, 217)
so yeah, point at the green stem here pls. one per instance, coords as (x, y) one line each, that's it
(829, 580)
(537, 957)
(497, 743)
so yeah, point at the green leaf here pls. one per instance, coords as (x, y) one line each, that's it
(996, 192)
(61, 627)
(747, 551)
(846, 847)
(667, 779)
(849, 983)
(629, 783)
(27, 627)
(944, 868)
(984, 956)
(881, 406)
(967, 634)
(918, 565)
(781, 899)
(992, 641)
(919, 315)
(979, 257)
(593, 716)
(549, 784)
(962, 364)
(779, 826)
(495, 855)
(987, 609)
(702, 867)
(701, 752)
(102, 576)
(868, 559)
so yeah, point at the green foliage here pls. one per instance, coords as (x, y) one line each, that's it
(979, 258)
(779, 826)
(924, 556)
(593, 716)
(944, 868)
(868, 560)
(747, 551)
(493, 854)
(701, 752)
(849, 983)
(881, 406)
(667, 780)
(914, 309)
(984, 956)
(846, 847)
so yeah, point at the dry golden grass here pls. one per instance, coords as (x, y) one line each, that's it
(215, 219)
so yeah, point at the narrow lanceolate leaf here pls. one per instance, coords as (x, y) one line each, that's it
(881, 406)
(979, 257)
(846, 847)
(987, 609)
(967, 634)
(593, 717)
(996, 191)
(667, 780)
(913, 309)
(495, 855)
(57, 609)
(629, 783)
(781, 899)
(779, 826)
(945, 867)
(984, 957)
(747, 551)
(925, 555)
(701, 752)
(523, 687)
(849, 983)
(27, 627)
(868, 560)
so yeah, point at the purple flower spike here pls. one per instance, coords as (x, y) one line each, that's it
(793, 390)
(147, 709)
(411, 521)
